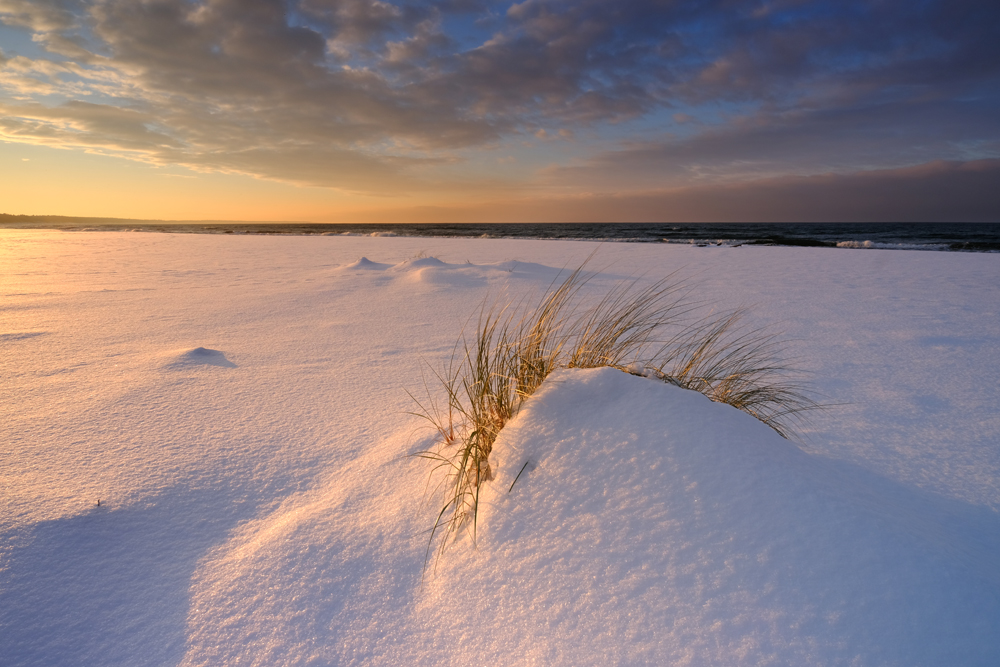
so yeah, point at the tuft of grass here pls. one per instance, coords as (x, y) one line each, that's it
(748, 369)
(653, 331)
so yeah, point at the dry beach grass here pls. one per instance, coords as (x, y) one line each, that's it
(655, 331)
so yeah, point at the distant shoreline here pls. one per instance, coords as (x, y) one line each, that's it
(925, 236)
(8, 219)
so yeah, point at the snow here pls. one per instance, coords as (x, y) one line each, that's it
(660, 528)
(238, 405)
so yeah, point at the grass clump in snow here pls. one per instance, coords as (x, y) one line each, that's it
(653, 331)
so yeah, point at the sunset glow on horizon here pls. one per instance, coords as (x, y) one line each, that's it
(470, 110)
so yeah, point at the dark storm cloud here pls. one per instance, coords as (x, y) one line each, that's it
(793, 84)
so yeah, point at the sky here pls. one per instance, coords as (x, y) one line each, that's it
(470, 110)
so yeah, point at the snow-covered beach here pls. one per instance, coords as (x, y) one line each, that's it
(238, 406)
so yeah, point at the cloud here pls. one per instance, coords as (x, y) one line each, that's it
(802, 142)
(40, 16)
(933, 192)
(381, 97)
(104, 128)
(427, 40)
(83, 124)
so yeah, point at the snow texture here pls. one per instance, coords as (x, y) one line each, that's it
(238, 407)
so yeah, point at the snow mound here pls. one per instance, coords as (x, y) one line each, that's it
(199, 356)
(530, 268)
(433, 271)
(366, 264)
(649, 525)
(422, 262)
(436, 273)
(646, 526)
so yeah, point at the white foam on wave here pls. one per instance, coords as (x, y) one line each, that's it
(366, 234)
(870, 245)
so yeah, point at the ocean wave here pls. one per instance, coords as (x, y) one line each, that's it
(866, 245)
(941, 237)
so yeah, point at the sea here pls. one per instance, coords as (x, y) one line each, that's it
(923, 236)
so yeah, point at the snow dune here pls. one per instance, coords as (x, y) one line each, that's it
(237, 405)
(658, 527)
(199, 356)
